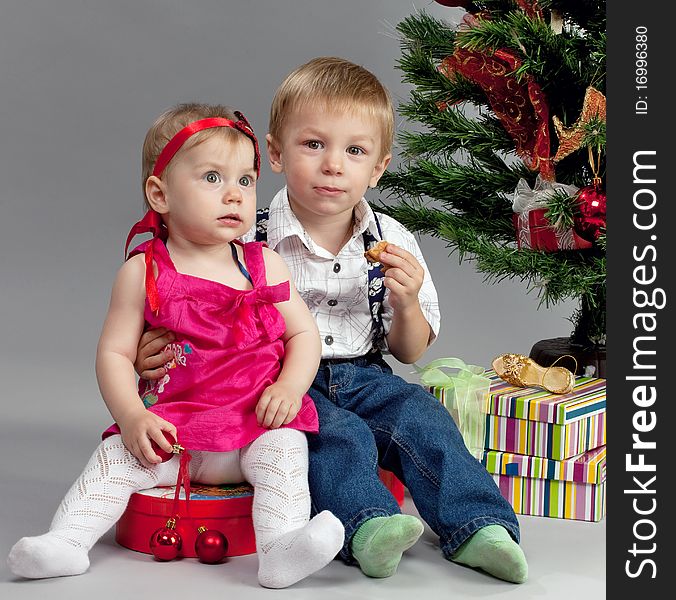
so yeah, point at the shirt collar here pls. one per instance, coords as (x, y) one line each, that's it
(288, 225)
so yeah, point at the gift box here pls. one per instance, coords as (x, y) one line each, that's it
(533, 229)
(535, 232)
(535, 422)
(464, 393)
(574, 488)
(226, 508)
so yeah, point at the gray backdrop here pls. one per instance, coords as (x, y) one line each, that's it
(80, 82)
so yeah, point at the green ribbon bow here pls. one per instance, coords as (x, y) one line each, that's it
(465, 396)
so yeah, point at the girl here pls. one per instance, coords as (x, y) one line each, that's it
(245, 354)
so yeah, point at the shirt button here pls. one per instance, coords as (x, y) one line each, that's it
(332, 302)
(336, 267)
(329, 340)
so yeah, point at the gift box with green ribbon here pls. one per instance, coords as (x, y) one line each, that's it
(495, 415)
(546, 452)
(464, 393)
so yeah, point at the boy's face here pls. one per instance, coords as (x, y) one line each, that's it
(329, 159)
(209, 194)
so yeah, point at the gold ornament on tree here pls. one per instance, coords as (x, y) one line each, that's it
(571, 138)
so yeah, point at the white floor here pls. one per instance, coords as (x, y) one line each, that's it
(566, 558)
(43, 449)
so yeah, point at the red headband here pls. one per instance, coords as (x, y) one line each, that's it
(175, 143)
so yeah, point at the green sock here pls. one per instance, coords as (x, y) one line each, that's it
(493, 550)
(379, 543)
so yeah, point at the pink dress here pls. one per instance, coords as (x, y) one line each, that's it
(228, 349)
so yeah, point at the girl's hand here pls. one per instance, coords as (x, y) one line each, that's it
(278, 405)
(150, 356)
(139, 428)
(403, 277)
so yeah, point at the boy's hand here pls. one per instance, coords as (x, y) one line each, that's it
(403, 277)
(150, 356)
(139, 428)
(278, 405)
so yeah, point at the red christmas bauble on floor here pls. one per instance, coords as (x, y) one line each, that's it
(210, 545)
(165, 543)
(589, 220)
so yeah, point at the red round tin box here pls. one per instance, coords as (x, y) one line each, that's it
(226, 508)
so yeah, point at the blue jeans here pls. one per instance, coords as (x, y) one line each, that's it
(369, 417)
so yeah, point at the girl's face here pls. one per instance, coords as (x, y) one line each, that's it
(210, 191)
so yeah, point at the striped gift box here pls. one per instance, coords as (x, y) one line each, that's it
(574, 488)
(532, 421)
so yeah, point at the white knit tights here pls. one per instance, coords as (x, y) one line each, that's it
(91, 506)
(290, 547)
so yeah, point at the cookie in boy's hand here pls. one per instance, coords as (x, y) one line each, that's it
(373, 254)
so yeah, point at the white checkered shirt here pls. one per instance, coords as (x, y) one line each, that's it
(335, 287)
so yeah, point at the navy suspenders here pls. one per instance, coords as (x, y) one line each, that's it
(376, 289)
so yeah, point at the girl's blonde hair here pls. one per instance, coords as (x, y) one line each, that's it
(334, 84)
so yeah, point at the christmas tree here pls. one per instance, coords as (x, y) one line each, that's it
(508, 165)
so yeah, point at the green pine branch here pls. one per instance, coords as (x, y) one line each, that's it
(420, 69)
(462, 188)
(554, 275)
(424, 33)
(590, 15)
(450, 130)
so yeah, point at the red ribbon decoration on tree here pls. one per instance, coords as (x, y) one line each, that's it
(530, 8)
(520, 105)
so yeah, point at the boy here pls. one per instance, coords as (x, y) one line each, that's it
(331, 129)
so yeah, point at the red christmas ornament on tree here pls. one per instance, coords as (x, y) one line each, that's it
(590, 218)
(210, 545)
(166, 542)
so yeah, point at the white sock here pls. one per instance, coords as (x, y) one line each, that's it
(93, 504)
(299, 553)
(290, 546)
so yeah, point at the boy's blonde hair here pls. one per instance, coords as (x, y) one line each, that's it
(170, 122)
(334, 84)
